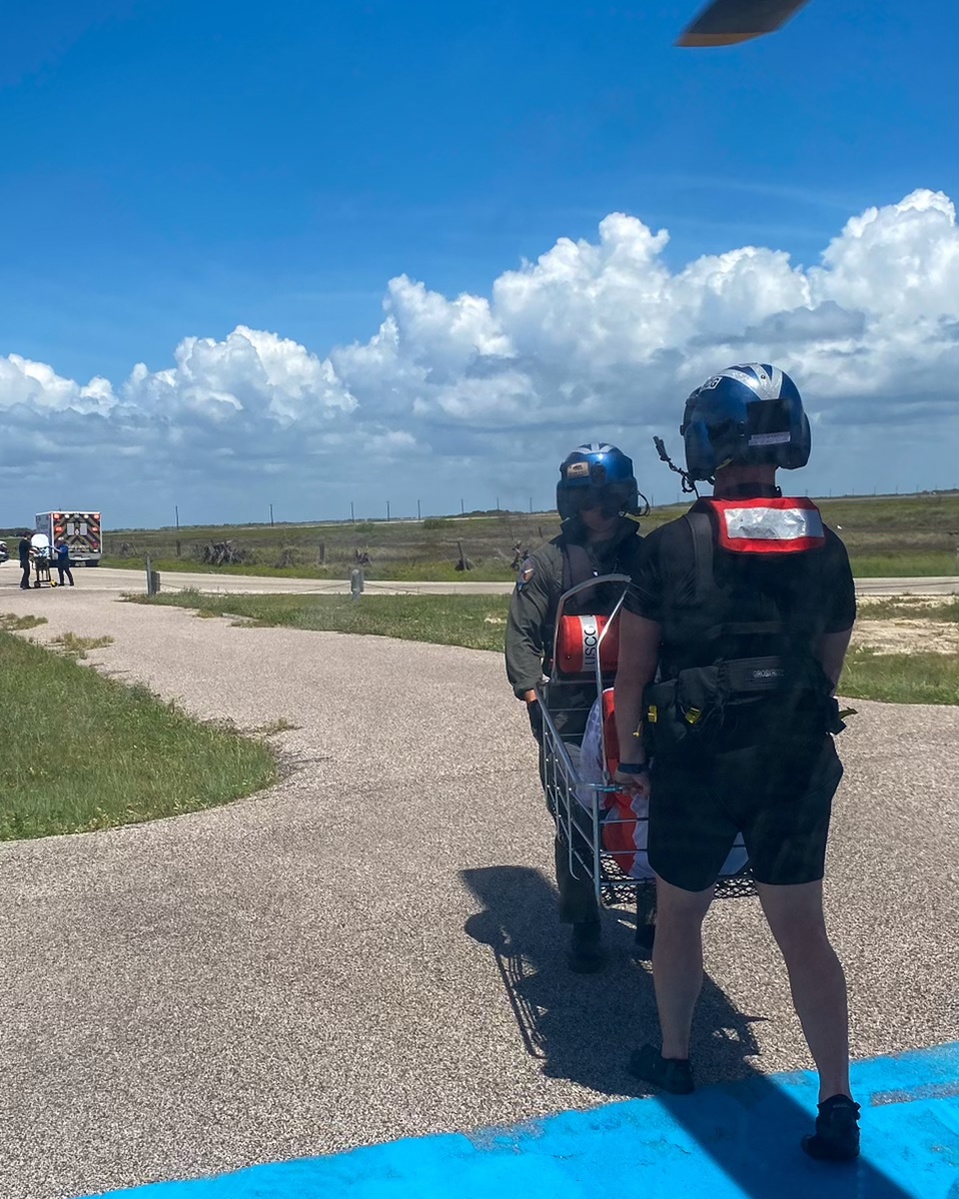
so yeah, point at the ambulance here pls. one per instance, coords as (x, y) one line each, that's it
(80, 530)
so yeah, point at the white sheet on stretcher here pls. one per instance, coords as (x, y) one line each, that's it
(590, 767)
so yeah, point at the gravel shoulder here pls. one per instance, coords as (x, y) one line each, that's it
(326, 964)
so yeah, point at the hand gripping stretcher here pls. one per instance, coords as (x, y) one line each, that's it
(603, 828)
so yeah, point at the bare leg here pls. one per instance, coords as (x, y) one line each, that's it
(816, 978)
(678, 962)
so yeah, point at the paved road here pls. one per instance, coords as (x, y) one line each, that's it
(369, 950)
(107, 580)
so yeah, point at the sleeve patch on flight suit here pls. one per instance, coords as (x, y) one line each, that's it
(526, 571)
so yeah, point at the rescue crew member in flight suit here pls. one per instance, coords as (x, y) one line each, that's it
(597, 499)
(745, 606)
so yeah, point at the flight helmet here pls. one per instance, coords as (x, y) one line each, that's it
(750, 415)
(596, 475)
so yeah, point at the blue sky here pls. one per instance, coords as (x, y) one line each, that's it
(174, 171)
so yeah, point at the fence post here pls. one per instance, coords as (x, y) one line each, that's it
(153, 579)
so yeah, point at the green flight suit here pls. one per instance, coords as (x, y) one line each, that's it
(542, 579)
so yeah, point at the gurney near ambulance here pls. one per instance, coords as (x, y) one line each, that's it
(603, 828)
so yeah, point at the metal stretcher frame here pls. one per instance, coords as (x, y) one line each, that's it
(578, 806)
(580, 823)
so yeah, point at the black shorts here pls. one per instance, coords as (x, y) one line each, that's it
(779, 798)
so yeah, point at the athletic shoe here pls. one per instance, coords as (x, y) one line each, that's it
(672, 1074)
(836, 1138)
(586, 954)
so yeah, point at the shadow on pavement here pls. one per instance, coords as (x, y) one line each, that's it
(583, 1027)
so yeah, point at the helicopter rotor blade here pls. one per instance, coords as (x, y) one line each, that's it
(726, 22)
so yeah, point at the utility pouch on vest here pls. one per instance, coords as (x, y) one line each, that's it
(699, 710)
(709, 709)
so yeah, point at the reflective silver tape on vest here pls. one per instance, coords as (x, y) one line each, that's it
(772, 524)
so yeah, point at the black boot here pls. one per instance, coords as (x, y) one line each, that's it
(836, 1138)
(586, 954)
(672, 1074)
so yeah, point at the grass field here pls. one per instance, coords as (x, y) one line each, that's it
(886, 535)
(473, 621)
(84, 752)
(479, 622)
(914, 678)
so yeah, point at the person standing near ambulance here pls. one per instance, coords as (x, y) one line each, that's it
(25, 550)
(732, 642)
(597, 499)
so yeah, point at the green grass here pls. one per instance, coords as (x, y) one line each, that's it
(14, 623)
(76, 647)
(395, 570)
(885, 535)
(901, 678)
(473, 621)
(479, 622)
(902, 565)
(83, 752)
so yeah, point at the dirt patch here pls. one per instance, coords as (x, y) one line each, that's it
(902, 635)
(916, 602)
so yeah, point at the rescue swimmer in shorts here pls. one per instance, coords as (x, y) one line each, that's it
(732, 641)
(598, 500)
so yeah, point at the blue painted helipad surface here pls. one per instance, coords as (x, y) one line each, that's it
(735, 1141)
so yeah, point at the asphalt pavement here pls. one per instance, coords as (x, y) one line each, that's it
(107, 579)
(369, 950)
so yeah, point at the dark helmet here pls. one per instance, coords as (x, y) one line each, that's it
(596, 475)
(750, 415)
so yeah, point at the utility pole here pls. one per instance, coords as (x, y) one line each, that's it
(531, 505)
(462, 508)
(271, 516)
(352, 516)
(387, 509)
(176, 509)
(418, 513)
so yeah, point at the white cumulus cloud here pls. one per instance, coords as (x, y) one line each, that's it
(595, 337)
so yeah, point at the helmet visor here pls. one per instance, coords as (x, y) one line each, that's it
(612, 500)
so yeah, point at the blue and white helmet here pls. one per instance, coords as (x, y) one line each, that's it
(749, 415)
(596, 474)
